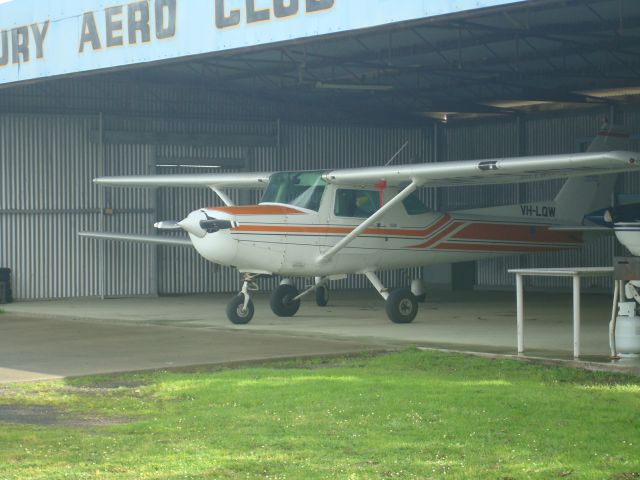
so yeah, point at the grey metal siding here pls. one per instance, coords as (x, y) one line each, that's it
(48, 162)
(486, 140)
(46, 195)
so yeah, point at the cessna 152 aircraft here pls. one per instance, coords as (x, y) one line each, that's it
(328, 224)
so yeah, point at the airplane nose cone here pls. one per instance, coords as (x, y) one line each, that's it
(191, 224)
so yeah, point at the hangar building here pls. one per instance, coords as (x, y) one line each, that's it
(98, 88)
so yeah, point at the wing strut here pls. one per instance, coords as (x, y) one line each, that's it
(408, 190)
(223, 196)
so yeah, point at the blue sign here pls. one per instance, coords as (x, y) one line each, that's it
(43, 38)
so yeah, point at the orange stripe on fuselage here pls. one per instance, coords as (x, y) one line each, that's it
(259, 210)
(515, 233)
(438, 237)
(284, 229)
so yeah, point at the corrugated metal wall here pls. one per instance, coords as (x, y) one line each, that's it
(483, 140)
(47, 162)
(46, 197)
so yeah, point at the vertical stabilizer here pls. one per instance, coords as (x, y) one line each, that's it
(610, 138)
(582, 195)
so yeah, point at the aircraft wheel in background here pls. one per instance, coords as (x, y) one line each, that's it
(282, 303)
(322, 296)
(236, 312)
(401, 306)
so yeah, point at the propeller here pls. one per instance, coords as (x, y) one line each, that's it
(167, 225)
(197, 223)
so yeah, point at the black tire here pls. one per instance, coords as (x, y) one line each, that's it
(322, 296)
(281, 301)
(401, 306)
(236, 313)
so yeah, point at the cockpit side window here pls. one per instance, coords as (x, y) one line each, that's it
(300, 189)
(414, 206)
(356, 203)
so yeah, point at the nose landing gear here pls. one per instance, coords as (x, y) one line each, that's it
(240, 309)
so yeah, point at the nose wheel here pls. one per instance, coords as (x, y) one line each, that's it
(240, 309)
(237, 312)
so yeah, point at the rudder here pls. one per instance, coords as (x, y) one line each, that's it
(582, 195)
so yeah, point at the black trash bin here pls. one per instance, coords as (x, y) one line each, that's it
(6, 295)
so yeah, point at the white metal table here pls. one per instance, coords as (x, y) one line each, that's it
(576, 274)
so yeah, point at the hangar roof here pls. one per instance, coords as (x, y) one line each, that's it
(516, 57)
(530, 56)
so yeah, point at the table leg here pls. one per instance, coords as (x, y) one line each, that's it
(576, 316)
(520, 312)
(612, 323)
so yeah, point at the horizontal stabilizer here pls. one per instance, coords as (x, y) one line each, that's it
(150, 239)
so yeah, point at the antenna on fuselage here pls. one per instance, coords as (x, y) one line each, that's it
(397, 153)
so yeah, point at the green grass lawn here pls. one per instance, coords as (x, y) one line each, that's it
(407, 415)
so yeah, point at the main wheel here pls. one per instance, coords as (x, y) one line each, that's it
(322, 296)
(401, 306)
(282, 303)
(236, 313)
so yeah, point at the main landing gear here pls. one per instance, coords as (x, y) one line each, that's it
(401, 305)
(285, 300)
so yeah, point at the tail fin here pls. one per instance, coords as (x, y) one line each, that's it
(582, 195)
(610, 138)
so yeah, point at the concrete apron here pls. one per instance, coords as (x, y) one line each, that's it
(76, 337)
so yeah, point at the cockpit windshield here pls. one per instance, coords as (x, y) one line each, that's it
(300, 189)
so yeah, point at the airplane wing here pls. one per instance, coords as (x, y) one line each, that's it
(213, 181)
(151, 239)
(437, 174)
(491, 171)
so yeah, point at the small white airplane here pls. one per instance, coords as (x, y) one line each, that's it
(329, 224)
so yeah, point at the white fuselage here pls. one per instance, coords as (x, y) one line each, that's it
(287, 240)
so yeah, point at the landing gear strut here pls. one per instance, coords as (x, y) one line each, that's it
(401, 305)
(285, 300)
(240, 309)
